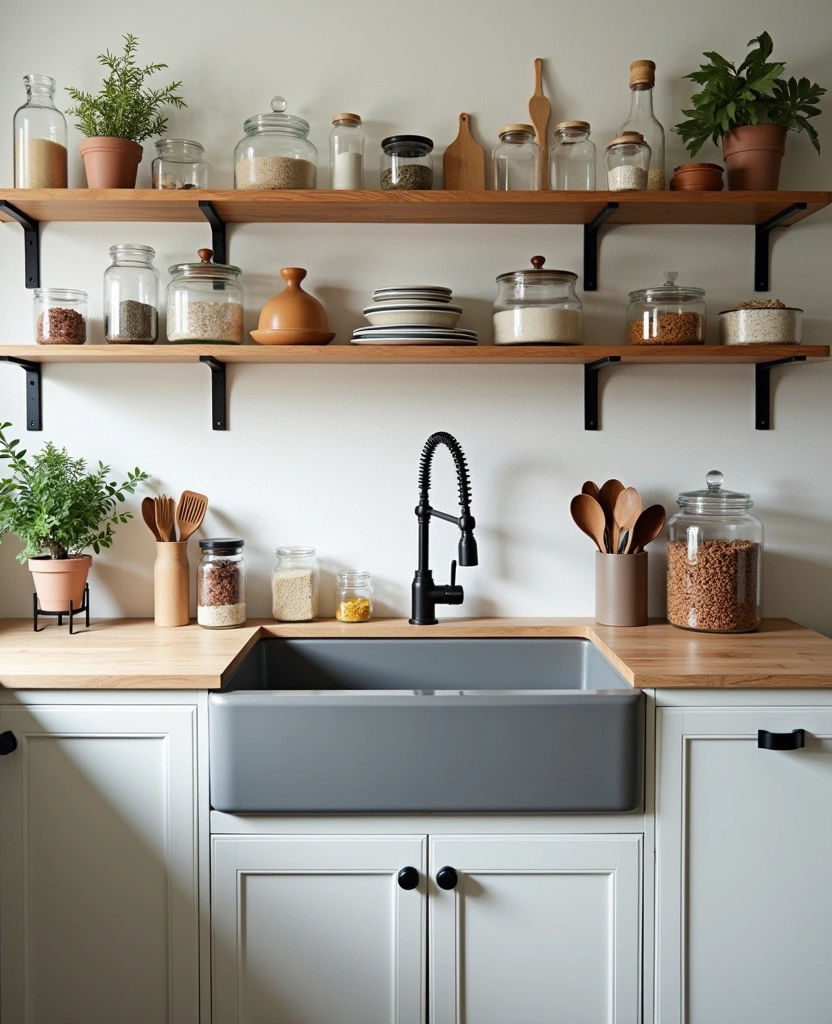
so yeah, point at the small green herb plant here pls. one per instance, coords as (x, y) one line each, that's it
(54, 505)
(124, 108)
(753, 93)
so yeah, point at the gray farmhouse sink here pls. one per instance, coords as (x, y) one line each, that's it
(425, 726)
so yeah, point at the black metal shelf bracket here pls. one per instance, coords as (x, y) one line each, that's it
(219, 240)
(762, 263)
(219, 419)
(33, 409)
(591, 246)
(31, 243)
(591, 370)
(762, 389)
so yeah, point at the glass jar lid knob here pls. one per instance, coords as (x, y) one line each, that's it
(278, 104)
(205, 255)
(714, 481)
(670, 277)
(538, 261)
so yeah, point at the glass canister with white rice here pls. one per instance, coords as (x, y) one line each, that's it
(537, 306)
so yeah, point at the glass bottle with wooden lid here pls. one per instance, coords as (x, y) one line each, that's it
(515, 162)
(641, 119)
(346, 152)
(573, 157)
(205, 302)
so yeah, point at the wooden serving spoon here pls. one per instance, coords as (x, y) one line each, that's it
(589, 517)
(607, 498)
(591, 488)
(539, 111)
(626, 512)
(190, 512)
(149, 516)
(647, 527)
(164, 517)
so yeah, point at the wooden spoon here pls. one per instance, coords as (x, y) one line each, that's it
(164, 517)
(190, 512)
(626, 512)
(647, 527)
(539, 111)
(591, 488)
(149, 516)
(589, 517)
(607, 498)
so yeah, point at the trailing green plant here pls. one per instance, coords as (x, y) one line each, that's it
(753, 93)
(124, 108)
(54, 505)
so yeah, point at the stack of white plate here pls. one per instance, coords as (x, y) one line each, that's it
(413, 315)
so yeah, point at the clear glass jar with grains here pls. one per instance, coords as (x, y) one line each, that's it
(221, 583)
(537, 306)
(39, 137)
(131, 296)
(60, 316)
(627, 158)
(276, 152)
(205, 302)
(668, 314)
(353, 596)
(295, 584)
(406, 163)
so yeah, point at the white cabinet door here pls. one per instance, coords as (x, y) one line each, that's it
(317, 930)
(98, 879)
(744, 868)
(538, 930)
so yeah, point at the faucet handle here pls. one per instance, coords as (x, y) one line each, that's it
(453, 573)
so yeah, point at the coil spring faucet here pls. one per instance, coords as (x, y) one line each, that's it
(426, 594)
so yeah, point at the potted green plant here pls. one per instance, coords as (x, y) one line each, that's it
(58, 509)
(123, 114)
(750, 108)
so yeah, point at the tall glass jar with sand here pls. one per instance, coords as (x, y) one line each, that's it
(39, 137)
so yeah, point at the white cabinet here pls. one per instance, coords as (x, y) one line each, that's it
(744, 867)
(98, 875)
(538, 928)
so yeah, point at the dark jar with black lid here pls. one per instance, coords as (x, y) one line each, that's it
(406, 163)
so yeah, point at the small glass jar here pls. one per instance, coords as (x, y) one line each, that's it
(346, 152)
(573, 157)
(221, 583)
(353, 597)
(131, 296)
(515, 162)
(39, 137)
(296, 579)
(60, 316)
(205, 302)
(406, 163)
(667, 315)
(537, 307)
(627, 159)
(276, 152)
(714, 555)
(178, 164)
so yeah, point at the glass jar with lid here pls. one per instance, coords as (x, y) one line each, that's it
(295, 584)
(573, 157)
(353, 597)
(178, 164)
(221, 583)
(668, 314)
(131, 296)
(406, 163)
(627, 158)
(714, 554)
(346, 152)
(515, 162)
(276, 152)
(205, 302)
(537, 306)
(60, 316)
(39, 137)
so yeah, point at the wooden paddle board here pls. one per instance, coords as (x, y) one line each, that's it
(464, 163)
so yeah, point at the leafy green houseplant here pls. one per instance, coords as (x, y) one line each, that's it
(124, 114)
(59, 509)
(749, 108)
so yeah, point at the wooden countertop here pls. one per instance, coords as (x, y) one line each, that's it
(135, 654)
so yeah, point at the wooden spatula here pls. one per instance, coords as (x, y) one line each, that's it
(164, 517)
(464, 163)
(190, 512)
(539, 111)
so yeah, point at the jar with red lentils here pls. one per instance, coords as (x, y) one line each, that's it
(714, 554)
(668, 314)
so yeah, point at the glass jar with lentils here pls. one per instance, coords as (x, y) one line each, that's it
(221, 583)
(668, 314)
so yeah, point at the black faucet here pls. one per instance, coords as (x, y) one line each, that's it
(426, 594)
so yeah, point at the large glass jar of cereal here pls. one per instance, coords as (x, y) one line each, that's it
(714, 551)
(668, 314)
(276, 152)
(205, 302)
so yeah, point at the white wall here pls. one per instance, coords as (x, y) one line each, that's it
(328, 455)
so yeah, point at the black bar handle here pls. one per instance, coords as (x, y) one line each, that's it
(446, 878)
(408, 878)
(766, 740)
(8, 742)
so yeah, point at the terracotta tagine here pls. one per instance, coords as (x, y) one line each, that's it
(293, 316)
(111, 163)
(697, 178)
(753, 154)
(59, 581)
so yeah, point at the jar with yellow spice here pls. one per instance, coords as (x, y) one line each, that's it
(353, 597)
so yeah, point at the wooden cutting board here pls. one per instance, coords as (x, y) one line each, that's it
(539, 110)
(464, 163)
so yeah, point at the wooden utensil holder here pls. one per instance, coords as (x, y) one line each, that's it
(171, 584)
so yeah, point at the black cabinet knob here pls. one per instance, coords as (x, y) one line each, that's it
(446, 878)
(766, 740)
(8, 742)
(408, 878)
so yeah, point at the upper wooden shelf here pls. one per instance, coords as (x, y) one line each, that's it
(434, 207)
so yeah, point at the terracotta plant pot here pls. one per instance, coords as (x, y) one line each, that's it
(697, 178)
(753, 154)
(59, 581)
(111, 163)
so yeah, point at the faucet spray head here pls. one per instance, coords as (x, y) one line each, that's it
(468, 548)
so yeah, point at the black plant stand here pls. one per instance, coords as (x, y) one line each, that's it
(85, 607)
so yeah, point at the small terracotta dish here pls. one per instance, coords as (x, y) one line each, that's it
(293, 337)
(697, 178)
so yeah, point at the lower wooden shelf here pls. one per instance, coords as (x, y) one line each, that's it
(592, 357)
